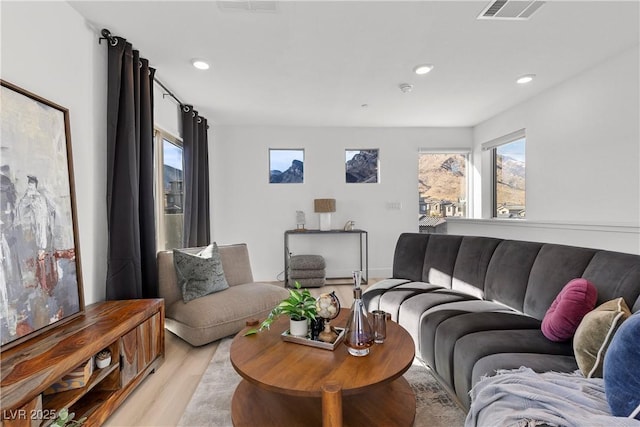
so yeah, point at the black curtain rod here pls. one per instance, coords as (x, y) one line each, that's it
(168, 92)
(106, 35)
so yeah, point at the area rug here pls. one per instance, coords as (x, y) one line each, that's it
(210, 404)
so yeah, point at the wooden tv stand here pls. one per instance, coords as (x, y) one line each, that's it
(133, 330)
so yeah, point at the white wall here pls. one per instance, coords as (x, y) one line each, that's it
(583, 157)
(246, 208)
(60, 60)
(166, 112)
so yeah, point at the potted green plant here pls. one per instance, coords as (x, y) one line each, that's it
(300, 306)
(66, 419)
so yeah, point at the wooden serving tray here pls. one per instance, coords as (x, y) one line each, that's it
(313, 343)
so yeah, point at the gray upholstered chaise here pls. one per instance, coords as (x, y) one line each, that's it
(220, 314)
(475, 304)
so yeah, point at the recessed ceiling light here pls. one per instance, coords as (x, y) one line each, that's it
(525, 79)
(422, 69)
(200, 64)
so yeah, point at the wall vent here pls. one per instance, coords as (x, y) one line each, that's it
(247, 5)
(510, 9)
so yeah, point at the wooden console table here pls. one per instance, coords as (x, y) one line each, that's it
(133, 331)
(364, 249)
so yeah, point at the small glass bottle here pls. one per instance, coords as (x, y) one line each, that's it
(359, 334)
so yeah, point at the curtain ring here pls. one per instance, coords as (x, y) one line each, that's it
(199, 119)
(113, 41)
(193, 114)
(185, 108)
(139, 64)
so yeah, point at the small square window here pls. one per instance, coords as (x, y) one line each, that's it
(362, 166)
(286, 166)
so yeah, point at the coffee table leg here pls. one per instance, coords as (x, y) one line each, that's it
(331, 404)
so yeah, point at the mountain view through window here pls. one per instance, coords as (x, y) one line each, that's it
(509, 183)
(442, 188)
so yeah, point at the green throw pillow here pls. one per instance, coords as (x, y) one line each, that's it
(595, 332)
(199, 274)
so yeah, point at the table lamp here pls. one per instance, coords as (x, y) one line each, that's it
(324, 207)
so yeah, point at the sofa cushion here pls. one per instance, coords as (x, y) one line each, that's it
(508, 272)
(391, 300)
(615, 275)
(408, 257)
(199, 274)
(471, 265)
(622, 370)
(440, 259)
(371, 296)
(576, 299)
(594, 334)
(412, 309)
(432, 318)
(234, 303)
(452, 329)
(472, 347)
(222, 314)
(489, 365)
(555, 265)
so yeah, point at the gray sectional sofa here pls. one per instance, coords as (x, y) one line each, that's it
(475, 304)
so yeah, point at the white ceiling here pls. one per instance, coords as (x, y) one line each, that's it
(314, 63)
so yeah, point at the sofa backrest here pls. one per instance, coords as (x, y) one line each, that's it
(235, 263)
(408, 258)
(553, 268)
(615, 274)
(508, 272)
(440, 259)
(526, 276)
(472, 263)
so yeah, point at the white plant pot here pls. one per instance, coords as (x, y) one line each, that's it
(298, 328)
(103, 363)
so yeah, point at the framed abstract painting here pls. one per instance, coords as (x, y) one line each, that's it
(40, 274)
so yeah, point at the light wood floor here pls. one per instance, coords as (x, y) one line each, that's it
(162, 397)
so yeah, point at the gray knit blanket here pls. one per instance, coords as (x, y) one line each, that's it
(524, 398)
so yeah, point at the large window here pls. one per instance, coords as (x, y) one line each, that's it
(442, 188)
(508, 175)
(169, 191)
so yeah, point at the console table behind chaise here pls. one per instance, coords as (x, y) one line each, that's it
(363, 237)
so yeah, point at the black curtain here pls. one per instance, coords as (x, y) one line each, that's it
(196, 178)
(131, 270)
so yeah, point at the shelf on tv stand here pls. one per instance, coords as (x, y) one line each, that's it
(133, 330)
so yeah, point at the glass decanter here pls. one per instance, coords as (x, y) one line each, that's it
(359, 333)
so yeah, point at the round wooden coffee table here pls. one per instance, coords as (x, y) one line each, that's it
(290, 384)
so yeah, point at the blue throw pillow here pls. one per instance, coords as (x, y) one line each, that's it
(622, 370)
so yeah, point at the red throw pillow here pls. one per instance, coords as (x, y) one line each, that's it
(577, 298)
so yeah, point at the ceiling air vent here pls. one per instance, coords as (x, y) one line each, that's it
(510, 9)
(247, 5)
